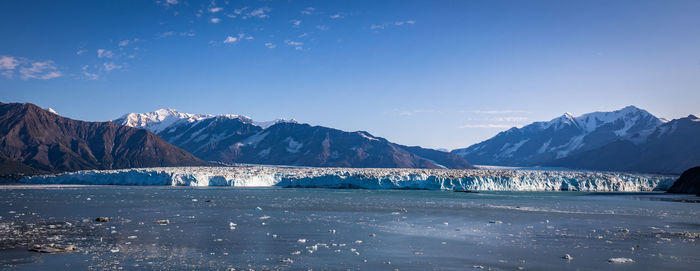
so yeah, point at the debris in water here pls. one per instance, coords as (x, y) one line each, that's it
(52, 248)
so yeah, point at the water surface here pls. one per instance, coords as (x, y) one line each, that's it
(278, 228)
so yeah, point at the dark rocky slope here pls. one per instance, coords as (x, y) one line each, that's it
(34, 140)
(688, 183)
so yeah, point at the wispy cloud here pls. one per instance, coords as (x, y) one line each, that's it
(494, 112)
(104, 53)
(240, 11)
(377, 27)
(297, 44)
(336, 16)
(489, 125)
(270, 45)
(296, 23)
(187, 34)
(167, 3)
(308, 11)
(81, 51)
(241, 36)
(109, 66)
(127, 42)
(411, 112)
(165, 34)
(40, 70)
(88, 75)
(215, 9)
(322, 27)
(8, 65)
(258, 13)
(508, 119)
(214, 20)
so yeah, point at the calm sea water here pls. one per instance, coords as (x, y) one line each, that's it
(324, 229)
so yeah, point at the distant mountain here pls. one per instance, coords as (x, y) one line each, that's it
(541, 142)
(629, 139)
(239, 139)
(34, 140)
(672, 147)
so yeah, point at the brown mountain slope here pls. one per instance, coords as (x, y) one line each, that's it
(48, 142)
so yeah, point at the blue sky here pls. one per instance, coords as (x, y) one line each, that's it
(443, 74)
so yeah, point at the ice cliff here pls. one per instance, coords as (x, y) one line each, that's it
(373, 178)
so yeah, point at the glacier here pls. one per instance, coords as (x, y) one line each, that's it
(368, 178)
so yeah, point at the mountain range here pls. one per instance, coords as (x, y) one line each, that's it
(629, 139)
(36, 141)
(238, 139)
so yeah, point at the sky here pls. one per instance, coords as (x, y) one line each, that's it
(439, 74)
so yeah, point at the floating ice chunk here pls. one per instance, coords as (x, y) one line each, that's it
(301, 241)
(567, 257)
(620, 260)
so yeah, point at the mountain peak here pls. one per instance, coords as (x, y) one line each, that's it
(631, 108)
(51, 110)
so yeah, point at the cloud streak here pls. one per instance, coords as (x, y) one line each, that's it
(488, 125)
(495, 112)
(28, 69)
(378, 27)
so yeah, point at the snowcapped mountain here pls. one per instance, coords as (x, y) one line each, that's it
(163, 118)
(239, 139)
(672, 147)
(542, 142)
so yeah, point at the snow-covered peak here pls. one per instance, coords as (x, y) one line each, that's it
(630, 115)
(266, 124)
(242, 118)
(158, 120)
(161, 119)
(561, 121)
(51, 110)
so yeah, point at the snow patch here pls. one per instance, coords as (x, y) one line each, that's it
(293, 146)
